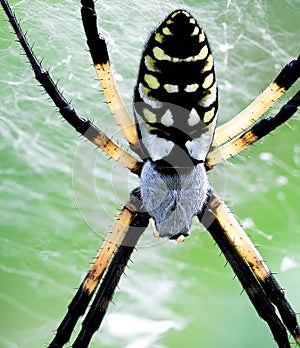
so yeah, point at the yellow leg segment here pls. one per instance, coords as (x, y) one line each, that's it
(230, 149)
(249, 115)
(112, 149)
(238, 238)
(262, 288)
(111, 243)
(115, 103)
(256, 132)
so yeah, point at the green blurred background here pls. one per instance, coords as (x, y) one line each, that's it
(59, 196)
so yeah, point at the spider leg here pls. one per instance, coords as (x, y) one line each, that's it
(258, 131)
(104, 295)
(259, 283)
(115, 252)
(98, 50)
(81, 124)
(284, 80)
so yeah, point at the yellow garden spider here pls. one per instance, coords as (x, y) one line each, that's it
(172, 143)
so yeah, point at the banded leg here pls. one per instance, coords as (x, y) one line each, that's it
(258, 131)
(117, 247)
(104, 296)
(259, 283)
(285, 79)
(81, 124)
(98, 50)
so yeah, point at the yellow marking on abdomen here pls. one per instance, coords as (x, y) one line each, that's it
(159, 54)
(151, 81)
(210, 97)
(166, 31)
(209, 115)
(208, 64)
(159, 37)
(196, 31)
(201, 37)
(191, 88)
(208, 81)
(150, 64)
(171, 88)
(149, 115)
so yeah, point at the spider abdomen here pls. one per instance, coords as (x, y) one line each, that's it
(176, 93)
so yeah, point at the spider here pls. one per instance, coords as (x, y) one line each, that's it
(175, 141)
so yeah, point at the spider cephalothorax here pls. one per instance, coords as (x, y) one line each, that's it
(174, 135)
(167, 197)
